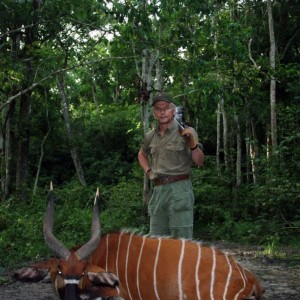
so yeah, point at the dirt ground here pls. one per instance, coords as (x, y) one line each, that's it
(281, 278)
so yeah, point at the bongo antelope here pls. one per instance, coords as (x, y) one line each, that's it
(125, 265)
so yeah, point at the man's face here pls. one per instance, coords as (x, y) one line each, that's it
(164, 112)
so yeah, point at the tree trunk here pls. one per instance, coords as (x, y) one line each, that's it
(23, 146)
(10, 129)
(8, 142)
(272, 81)
(238, 151)
(94, 93)
(220, 104)
(42, 151)
(22, 156)
(225, 134)
(218, 139)
(67, 122)
(145, 99)
(251, 150)
(148, 63)
(159, 83)
(254, 151)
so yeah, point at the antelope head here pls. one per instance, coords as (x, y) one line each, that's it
(72, 276)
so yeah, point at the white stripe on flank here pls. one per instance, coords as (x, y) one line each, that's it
(228, 277)
(155, 267)
(180, 269)
(117, 256)
(197, 272)
(244, 274)
(237, 295)
(106, 259)
(126, 265)
(138, 268)
(212, 280)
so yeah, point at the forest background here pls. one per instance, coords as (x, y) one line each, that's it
(77, 81)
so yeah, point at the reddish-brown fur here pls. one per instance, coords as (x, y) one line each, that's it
(120, 252)
(132, 266)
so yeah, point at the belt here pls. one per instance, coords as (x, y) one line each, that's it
(170, 179)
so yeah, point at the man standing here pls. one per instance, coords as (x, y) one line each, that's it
(172, 154)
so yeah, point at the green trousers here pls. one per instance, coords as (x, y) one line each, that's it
(171, 210)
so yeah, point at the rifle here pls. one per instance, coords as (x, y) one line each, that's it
(179, 117)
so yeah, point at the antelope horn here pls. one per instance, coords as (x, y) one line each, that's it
(54, 244)
(87, 249)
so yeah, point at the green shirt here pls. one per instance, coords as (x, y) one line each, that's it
(170, 153)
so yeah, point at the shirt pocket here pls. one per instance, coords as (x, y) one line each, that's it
(175, 147)
(174, 153)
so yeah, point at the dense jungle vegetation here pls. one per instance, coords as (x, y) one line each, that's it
(77, 80)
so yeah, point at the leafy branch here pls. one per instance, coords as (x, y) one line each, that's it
(54, 73)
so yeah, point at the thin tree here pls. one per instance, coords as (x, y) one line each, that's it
(272, 80)
(221, 112)
(37, 176)
(67, 121)
(145, 96)
(24, 102)
(238, 151)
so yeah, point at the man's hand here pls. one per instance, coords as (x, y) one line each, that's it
(190, 138)
(150, 174)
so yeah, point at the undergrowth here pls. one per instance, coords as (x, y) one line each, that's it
(221, 213)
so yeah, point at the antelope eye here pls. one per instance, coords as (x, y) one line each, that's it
(59, 270)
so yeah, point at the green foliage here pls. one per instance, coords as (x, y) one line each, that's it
(249, 214)
(205, 52)
(110, 143)
(21, 236)
(257, 213)
(21, 231)
(125, 208)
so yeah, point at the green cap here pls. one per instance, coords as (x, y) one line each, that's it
(162, 97)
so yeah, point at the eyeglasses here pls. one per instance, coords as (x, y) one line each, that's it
(161, 110)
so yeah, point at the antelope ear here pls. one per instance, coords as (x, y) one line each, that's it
(103, 278)
(30, 274)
